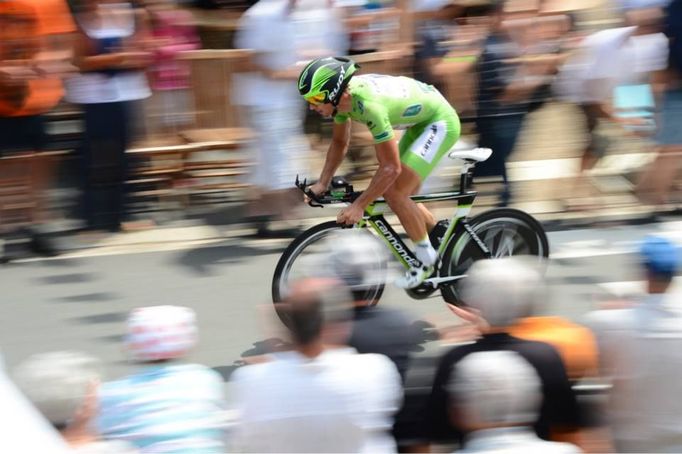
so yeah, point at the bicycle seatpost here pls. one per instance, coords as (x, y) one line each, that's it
(466, 175)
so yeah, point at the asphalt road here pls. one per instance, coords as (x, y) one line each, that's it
(81, 303)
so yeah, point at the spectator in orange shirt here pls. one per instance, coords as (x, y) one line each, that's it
(576, 344)
(34, 50)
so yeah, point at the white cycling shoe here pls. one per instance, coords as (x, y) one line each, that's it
(414, 277)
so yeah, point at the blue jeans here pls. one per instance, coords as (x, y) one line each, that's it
(105, 164)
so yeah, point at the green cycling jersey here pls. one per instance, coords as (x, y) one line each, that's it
(385, 103)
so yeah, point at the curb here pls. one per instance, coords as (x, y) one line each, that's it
(198, 234)
(195, 232)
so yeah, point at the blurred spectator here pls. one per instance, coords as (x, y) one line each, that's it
(172, 32)
(168, 406)
(321, 32)
(506, 82)
(367, 23)
(63, 387)
(496, 396)
(499, 290)
(574, 342)
(658, 181)
(640, 4)
(434, 41)
(274, 111)
(322, 396)
(111, 56)
(360, 261)
(640, 348)
(34, 49)
(625, 56)
(31, 432)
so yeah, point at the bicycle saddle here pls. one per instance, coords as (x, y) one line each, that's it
(473, 154)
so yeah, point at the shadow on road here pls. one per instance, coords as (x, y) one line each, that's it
(98, 297)
(254, 355)
(220, 216)
(422, 332)
(202, 260)
(110, 317)
(73, 278)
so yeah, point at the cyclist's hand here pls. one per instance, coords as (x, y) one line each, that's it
(350, 215)
(470, 316)
(317, 189)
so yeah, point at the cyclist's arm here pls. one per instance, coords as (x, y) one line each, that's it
(337, 151)
(389, 169)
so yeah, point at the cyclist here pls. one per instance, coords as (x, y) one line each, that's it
(384, 103)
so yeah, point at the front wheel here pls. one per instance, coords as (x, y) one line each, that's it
(505, 232)
(292, 266)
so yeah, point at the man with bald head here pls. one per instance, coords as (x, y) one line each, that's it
(322, 396)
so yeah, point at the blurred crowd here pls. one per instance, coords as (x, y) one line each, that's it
(123, 67)
(514, 381)
(345, 377)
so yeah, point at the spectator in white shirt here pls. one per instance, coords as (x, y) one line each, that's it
(640, 351)
(604, 60)
(323, 396)
(279, 33)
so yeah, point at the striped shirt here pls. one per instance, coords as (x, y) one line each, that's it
(166, 409)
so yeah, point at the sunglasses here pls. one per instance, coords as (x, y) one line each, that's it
(317, 99)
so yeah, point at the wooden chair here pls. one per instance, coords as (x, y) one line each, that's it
(17, 194)
(219, 128)
(202, 157)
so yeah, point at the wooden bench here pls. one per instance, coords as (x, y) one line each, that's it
(177, 172)
(205, 154)
(22, 182)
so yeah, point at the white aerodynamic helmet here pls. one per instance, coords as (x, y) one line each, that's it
(160, 333)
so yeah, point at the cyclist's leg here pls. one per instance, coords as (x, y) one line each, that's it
(421, 149)
(398, 198)
(408, 138)
(427, 217)
(414, 155)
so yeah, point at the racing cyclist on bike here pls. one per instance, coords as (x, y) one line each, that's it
(384, 103)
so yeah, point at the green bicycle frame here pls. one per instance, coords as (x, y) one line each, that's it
(374, 219)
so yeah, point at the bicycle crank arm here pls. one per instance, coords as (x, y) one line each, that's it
(436, 281)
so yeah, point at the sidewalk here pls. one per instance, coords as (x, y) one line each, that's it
(223, 223)
(541, 169)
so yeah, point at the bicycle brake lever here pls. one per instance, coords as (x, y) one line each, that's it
(313, 201)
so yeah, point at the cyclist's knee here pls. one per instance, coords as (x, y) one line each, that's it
(395, 196)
